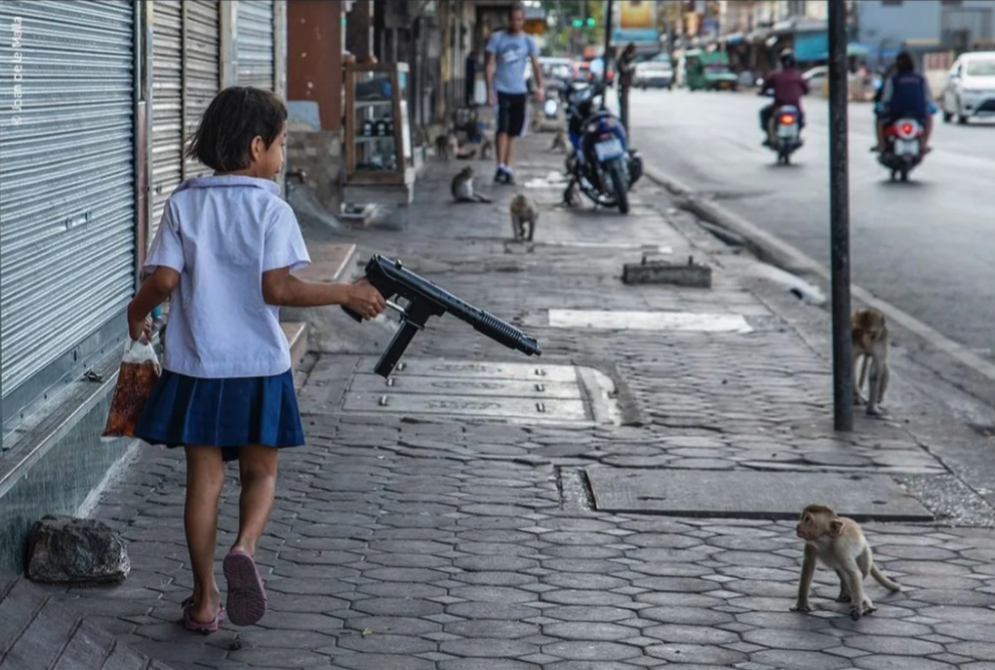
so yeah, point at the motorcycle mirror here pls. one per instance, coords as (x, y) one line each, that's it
(550, 107)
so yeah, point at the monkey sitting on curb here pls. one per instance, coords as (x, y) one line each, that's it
(523, 211)
(462, 187)
(486, 148)
(839, 544)
(870, 346)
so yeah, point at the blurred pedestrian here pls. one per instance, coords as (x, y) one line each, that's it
(626, 66)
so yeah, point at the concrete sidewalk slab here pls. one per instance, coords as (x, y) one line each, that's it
(751, 495)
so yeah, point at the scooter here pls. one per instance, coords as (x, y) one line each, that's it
(787, 133)
(601, 163)
(903, 148)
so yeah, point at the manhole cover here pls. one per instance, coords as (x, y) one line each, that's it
(681, 321)
(747, 494)
(518, 392)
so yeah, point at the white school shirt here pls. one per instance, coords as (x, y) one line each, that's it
(221, 233)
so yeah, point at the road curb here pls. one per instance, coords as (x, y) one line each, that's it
(772, 249)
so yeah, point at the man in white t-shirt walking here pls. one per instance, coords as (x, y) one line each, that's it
(508, 53)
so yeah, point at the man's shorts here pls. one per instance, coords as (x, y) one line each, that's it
(511, 112)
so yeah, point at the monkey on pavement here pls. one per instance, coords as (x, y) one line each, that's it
(523, 211)
(447, 146)
(486, 148)
(559, 142)
(870, 346)
(462, 187)
(839, 544)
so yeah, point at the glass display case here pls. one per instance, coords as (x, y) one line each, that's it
(378, 136)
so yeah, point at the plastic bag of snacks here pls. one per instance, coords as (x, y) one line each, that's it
(139, 373)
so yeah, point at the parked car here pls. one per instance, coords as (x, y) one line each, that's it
(816, 77)
(656, 72)
(970, 92)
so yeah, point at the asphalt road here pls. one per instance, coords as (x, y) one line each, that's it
(926, 246)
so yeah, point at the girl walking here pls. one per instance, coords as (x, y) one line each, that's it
(224, 253)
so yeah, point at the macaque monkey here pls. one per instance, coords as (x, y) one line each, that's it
(462, 187)
(839, 544)
(559, 142)
(870, 346)
(523, 211)
(447, 146)
(486, 148)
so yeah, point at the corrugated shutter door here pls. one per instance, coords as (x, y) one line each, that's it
(67, 190)
(201, 69)
(167, 106)
(255, 47)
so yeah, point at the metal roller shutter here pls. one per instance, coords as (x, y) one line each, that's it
(167, 106)
(255, 44)
(201, 69)
(67, 183)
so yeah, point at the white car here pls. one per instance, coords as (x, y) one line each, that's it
(816, 76)
(656, 72)
(970, 92)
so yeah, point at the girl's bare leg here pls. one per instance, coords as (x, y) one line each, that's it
(257, 474)
(205, 479)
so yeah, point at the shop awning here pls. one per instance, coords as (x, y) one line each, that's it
(815, 46)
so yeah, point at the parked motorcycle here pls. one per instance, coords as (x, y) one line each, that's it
(601, 164)
(903, 148)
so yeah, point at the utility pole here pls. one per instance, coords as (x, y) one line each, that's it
(839, 208)
(608, 35)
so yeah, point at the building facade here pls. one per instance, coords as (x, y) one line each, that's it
(924, 26)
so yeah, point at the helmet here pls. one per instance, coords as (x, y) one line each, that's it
(787, 58)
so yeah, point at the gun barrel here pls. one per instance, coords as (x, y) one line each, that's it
(482, 321)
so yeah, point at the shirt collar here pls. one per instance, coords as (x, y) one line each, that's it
(213, 181)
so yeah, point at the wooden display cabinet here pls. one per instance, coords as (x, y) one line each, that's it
(378, 147)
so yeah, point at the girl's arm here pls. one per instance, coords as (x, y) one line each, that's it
(154, 291)
(282, 289)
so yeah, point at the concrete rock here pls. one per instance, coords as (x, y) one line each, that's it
(67, 550)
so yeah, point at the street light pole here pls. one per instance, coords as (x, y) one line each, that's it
(839, 208)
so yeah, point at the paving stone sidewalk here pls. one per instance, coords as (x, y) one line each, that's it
(411, 542)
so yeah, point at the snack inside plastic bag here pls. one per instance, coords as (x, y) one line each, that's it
(139, 373)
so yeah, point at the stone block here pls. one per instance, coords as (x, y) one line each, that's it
(688, 274)
(68, 550)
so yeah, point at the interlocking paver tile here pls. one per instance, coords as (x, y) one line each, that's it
(446, 540)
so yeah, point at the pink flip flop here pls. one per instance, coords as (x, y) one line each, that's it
(204, 628)
(246, 595)
(188, 603)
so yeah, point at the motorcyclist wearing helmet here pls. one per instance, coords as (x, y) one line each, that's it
(788, 86)
(905, 94)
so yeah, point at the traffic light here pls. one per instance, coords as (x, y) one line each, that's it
(577, 23)
(590, 21)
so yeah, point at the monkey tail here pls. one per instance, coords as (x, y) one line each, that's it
(884, 581)
(481, 198)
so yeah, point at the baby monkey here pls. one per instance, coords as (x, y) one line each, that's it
(523, 211)
(870, 347)
(839, 544)
(462, 187)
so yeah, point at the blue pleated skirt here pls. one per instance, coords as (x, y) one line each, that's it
(225, 413)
